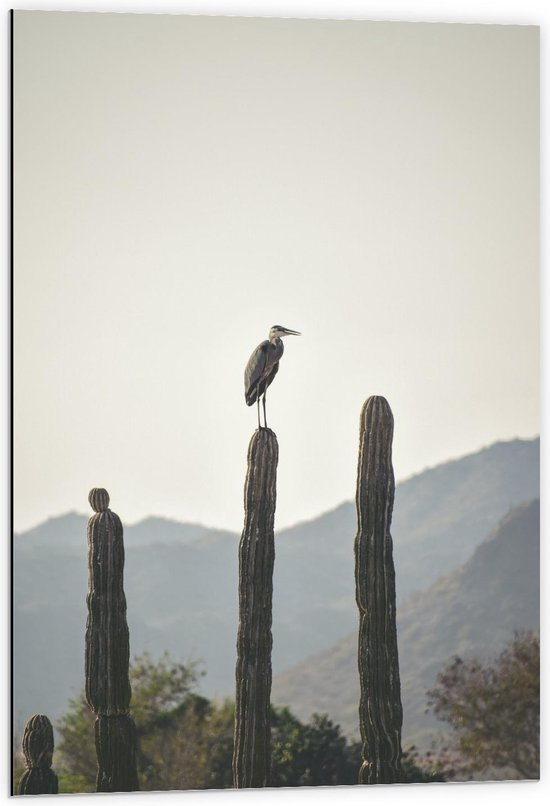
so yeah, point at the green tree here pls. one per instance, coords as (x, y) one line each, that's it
(312, 754)
(75, 754)
(162, 691)
(418, 769)
(185, 741)
(494, 711)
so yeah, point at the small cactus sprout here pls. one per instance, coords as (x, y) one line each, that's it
(38, 778)
(380, 711)
(252, 750)
(99, 499)
(108, 650)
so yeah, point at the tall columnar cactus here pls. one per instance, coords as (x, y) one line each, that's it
(380, 711)
(38, 778)
(252, 752)
(108, 651)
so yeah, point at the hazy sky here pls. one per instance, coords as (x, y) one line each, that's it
(183, 183)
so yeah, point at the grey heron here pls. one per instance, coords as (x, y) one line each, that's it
(263, 365)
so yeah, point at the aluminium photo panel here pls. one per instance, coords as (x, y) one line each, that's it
(335, 587)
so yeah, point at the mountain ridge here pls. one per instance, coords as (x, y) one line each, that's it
(175, 524)
(182, 584)
(500, 581)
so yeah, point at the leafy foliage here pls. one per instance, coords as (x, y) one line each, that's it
(162, 699)
(417, 769)
(310, 754)
(495, 713)
(186, 741)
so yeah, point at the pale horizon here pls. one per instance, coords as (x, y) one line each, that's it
(278, 527)
(183, 183)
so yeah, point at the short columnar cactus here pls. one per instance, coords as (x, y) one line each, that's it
(380, 711)
(38, 778)
(108, 650)
(252, 752)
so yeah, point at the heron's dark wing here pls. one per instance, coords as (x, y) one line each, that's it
(269, 374)
(254, 371)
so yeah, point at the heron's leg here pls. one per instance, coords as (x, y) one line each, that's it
(265, 418)
(258, 402)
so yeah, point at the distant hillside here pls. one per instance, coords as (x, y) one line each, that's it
(181, 579)
(440, 516)
(67, 531)
(473, 610)
(181, 596)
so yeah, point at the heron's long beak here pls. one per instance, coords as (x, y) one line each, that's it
(290, 332)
